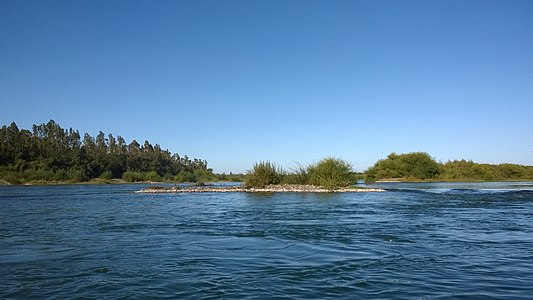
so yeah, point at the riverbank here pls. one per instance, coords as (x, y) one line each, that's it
(285, 188)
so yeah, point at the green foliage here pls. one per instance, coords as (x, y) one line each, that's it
(411, 166)
(204, 176)
(41, 175)
(51, 153)
(330, 173)
(76, 175)
(230, 177)
(185, 176)
(61, 175)
(152, 176)
(299, 175)
(462, 170)
(263, 174)
(11, 177)
(420, 166)
(130, 176)
(107, 175)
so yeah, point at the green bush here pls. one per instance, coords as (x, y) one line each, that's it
(107, 175)
(40, 174)
(184, 176)
(299, 175)
(152, 176)
(330, 173)
(130, 176)
(76, 175)
(204, 176)
(61, 174)
(263, 174)
(11, 177)
(415, 165)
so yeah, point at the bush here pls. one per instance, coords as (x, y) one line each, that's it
(40, 174)
(107, 175)
(330, 173)
(184, 176)
(263, 174)
(76, 175)
(130, 176)
(299, 175)
(11, 177)
(204, 175)
(152, 176)
(61, 174)
(415, 165)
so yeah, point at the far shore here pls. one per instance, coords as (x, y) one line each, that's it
(98, 181)
(286, 188)
(120, 181)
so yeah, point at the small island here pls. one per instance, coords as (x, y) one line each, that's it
(273, 188)
(329, 175)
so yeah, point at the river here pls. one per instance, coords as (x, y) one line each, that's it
(427, 240)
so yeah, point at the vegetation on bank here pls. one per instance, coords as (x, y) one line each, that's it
(329, 173)
(420, 166)
(410, 166)
(49, 153)
(462, 170)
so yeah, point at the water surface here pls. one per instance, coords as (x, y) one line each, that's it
(413, 241)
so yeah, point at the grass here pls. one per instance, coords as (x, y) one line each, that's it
(329, 173)
(262, 174)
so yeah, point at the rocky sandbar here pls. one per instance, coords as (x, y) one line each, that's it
(268, 189)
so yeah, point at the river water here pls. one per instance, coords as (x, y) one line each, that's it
(429, 241)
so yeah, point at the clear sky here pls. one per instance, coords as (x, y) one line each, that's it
(236, 82)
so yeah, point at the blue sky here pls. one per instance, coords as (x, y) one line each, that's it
(236, 82)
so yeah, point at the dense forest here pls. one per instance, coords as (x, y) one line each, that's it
(420, 166)
(51, 153)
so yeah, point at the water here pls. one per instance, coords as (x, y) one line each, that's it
(421, 241)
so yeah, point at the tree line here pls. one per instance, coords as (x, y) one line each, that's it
(49, 152)
(420, 166)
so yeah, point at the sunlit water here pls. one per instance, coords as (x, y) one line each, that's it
(413, 241)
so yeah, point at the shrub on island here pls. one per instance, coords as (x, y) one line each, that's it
(299, 175)
(263, 174)
(330, 173)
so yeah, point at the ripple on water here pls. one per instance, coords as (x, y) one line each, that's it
(105, 242)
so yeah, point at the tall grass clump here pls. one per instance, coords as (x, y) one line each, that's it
(263, 174)
(299, 175)
(330, 173)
